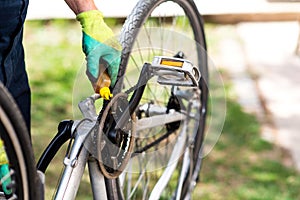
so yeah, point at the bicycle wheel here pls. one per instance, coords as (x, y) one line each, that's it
(163, 28)
(21, 181)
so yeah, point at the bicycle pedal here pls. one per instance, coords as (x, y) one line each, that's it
(175, 71)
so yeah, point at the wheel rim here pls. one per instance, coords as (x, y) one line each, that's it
(15, 158)
(142, 172)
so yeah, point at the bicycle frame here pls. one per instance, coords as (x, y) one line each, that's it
(80, 130)
(79, 156)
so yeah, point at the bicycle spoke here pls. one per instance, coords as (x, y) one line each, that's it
(154, 143)
(135, 63)
(149, 40)
(140, 52)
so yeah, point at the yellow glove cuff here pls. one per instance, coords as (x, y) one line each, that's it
(93, 25)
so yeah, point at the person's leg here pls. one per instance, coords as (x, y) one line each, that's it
(12, 65)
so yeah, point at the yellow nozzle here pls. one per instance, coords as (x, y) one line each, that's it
(105, 93)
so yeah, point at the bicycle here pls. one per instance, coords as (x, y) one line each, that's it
(150, 134)
(21, 180)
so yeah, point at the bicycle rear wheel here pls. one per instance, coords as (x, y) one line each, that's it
(21, 181)
(163, 28)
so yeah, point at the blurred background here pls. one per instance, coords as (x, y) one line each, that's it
(254, 45)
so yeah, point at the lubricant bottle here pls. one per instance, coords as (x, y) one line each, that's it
(103, 82)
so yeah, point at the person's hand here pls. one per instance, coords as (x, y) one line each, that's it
(100, 47)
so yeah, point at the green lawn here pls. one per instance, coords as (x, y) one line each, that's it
(241, 166)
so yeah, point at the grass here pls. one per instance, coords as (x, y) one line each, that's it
(241, 165)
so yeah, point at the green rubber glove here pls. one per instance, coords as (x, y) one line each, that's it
(99, 45)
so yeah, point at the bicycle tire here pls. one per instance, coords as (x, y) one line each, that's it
(17, 145)
(130, 32)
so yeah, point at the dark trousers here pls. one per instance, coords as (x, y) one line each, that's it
(12, 65)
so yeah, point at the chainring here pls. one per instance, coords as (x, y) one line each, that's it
(115, 144)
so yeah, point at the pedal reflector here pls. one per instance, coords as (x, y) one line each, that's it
(171, 63)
